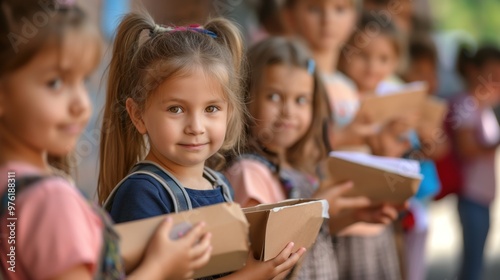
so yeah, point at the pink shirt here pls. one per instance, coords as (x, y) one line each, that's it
(55, 230)
(344, 99)
(253, 180)
(479, 172)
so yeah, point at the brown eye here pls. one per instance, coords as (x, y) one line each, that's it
(302, 100)
(212, 109)
(55, 84)
(175, 109)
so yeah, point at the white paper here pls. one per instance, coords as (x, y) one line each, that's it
(388, 88)
(324, 203)
(404, 167)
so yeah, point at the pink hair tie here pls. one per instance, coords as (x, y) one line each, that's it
(193, 27)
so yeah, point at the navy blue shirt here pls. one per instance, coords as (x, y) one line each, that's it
(142, 196)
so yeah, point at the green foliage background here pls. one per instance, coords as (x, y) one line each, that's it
(481, 18)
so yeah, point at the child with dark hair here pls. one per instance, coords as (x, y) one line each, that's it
(433, 146)
(476, 135)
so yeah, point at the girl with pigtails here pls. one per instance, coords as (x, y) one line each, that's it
(173, 104)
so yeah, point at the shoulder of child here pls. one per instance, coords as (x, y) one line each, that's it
(140, 196)
(57, 228)
(53, 191)
(253, 180)
(250, 166)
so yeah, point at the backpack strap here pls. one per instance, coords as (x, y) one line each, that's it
(221, 180)
(110, 265)
(21, 184)
(169, 182)
(177, 193)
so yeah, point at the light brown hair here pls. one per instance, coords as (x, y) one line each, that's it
(308, 151)
(144, 56)
(291, 3)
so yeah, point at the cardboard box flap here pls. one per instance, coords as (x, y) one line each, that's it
(299, 224)
(405, 167)
(226, 222)
(297, 221)
(258, 224)
(381, 109)
(434, 112)
(284, 203)
(377, 183)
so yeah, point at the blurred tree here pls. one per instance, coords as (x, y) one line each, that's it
(478, 17)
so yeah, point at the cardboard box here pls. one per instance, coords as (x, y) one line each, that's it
(381, 179)
(434, 112)
(381, 109)
(273, 226)
(225, 221)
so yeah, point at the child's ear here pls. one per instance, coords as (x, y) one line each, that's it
(135, 115)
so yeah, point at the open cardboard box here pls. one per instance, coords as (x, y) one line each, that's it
(225, 221)
(380, 179)
(273, 226)
(383, 108)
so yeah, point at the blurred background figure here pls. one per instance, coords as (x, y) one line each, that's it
(477, 135)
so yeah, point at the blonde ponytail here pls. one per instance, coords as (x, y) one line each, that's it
(229, 35)
(121, 144)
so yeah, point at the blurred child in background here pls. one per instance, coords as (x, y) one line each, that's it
(325, 26)
(476, 135)
(286, 100)
(401, 13)
(44, 107)
(369, 58)
(434, 145)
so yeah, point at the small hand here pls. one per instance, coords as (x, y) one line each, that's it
(381, 214)
(178, 259)
(337, 202)
(275, 269)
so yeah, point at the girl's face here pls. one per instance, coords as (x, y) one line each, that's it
(44, 105)
(324, 24)
(185, 119)
(282, 106)
(374, 62)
